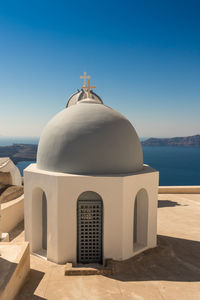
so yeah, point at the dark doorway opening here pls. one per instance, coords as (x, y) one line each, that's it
(89, 228)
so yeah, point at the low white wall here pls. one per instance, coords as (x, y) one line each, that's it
(12, 213)
(179, 189)
(17, 259)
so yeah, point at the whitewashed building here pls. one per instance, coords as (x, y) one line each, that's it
(89, 196)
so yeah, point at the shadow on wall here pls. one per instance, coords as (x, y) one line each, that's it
(5, 178)
(173, 260)
(31, 284)
(16, 231)
(7, 269)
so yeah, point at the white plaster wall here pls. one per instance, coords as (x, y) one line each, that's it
(148, 180)
(12, 213)
(33, 179)
(179, 189)
(14, 171)
(62, 191)
(110, 190)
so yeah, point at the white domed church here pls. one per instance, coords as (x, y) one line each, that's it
(89, 197)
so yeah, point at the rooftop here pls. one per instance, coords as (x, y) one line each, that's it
(170, 271)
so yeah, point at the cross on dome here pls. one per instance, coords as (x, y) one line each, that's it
(88, 88)
(84, 77)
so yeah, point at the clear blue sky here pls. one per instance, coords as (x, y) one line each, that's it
(143, 56)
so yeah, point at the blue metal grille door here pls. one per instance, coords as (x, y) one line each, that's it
(90, 231)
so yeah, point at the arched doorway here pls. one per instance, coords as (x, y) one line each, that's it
(140, 222)
(39, 221)
(44, 221)
(5, 178)
(89, 228)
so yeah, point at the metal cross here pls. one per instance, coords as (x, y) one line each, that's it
(84, 77)
(88, 88)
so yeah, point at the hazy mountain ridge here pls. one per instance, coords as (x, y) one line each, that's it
(19, 152)
(188, 141)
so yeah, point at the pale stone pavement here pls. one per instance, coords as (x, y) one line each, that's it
(169, 272)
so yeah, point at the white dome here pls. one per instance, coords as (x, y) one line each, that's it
(89, 138)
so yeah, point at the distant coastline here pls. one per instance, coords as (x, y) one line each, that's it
(189, 141)
(177, 164)
(19, 152)
(27, 151)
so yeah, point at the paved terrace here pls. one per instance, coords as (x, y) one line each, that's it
(169, 272)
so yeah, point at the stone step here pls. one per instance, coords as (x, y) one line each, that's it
(89, 269)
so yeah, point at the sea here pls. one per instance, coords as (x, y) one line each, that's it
(176, 165)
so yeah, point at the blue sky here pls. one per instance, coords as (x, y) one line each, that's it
(143, 56)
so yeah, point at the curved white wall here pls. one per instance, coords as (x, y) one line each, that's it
(10, 167)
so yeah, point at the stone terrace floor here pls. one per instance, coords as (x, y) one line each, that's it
(169, 272)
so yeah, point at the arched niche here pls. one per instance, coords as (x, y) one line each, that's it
(89, 228)
(39, 221)
(140, 220)
(5, 178)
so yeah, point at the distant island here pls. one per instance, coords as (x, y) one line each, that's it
(19, 152)
(27, 152)
(189, 141)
